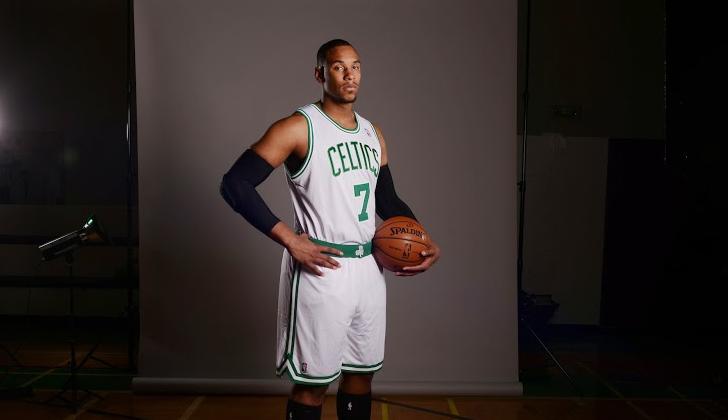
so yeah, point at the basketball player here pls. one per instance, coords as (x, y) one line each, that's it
(332, 295)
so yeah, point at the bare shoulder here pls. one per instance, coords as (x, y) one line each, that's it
(284, 137)
(292, 125)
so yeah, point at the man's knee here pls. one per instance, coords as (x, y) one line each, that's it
(309, 395)
(356, 383)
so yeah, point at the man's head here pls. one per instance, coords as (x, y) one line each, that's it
(338, 69)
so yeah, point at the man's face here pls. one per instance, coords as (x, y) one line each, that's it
(341, 74)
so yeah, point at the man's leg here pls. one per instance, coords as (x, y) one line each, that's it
(305, 402)
(354, 399)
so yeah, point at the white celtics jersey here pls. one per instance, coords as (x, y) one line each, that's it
(333, 190)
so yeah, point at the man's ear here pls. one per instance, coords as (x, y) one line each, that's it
(318, 73)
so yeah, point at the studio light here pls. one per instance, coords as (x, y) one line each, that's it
(91, 232)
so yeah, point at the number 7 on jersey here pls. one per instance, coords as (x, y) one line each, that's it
(358, 188)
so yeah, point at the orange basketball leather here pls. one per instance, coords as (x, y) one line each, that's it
(398, 243)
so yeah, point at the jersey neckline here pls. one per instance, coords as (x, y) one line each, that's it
(346, 130)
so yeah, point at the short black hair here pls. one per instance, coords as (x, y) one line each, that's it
(324, 50)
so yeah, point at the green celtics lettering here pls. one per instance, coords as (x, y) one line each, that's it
(350, 156)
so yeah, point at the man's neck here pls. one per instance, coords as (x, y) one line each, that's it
(343, 114)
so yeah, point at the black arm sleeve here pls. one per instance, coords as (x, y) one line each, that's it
(238, 190)
(387, 201)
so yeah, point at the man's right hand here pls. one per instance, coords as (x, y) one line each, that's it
(308, 253)
(312, 255)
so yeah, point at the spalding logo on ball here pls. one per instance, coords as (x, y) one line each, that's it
(398, 243)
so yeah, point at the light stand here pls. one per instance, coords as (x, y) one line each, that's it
(524, 303)
(72, 383)
(132, 308)
(65, 246)
(18, 391)
(10, 354)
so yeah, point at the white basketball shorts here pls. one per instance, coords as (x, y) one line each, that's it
(332, 323)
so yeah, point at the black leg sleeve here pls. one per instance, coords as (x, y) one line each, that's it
(353, 407)
(298, 411)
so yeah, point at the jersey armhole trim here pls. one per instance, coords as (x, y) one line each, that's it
(376, 135)
(309, 152)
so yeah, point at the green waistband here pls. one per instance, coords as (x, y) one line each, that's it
(350, 251)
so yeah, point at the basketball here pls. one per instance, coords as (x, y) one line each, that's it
(398, 243)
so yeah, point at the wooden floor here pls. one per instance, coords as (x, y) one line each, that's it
(617, 383)
(172, 407)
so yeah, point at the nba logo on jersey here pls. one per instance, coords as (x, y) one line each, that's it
(360, 251)
(304, 367)
(366, 130)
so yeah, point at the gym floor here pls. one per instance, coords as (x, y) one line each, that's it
(617, 376)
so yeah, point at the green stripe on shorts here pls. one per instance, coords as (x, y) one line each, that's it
(361, 368)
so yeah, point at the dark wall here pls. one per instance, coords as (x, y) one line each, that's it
(695, 289)
(597, 72)
(604, 60)
(63, 102)
(63, 148)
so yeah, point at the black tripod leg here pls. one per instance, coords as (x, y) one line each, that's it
(90, 356)
(104, 362)
(11, 355)
(553, 357)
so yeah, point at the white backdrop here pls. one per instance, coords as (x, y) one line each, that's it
(439, 77)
